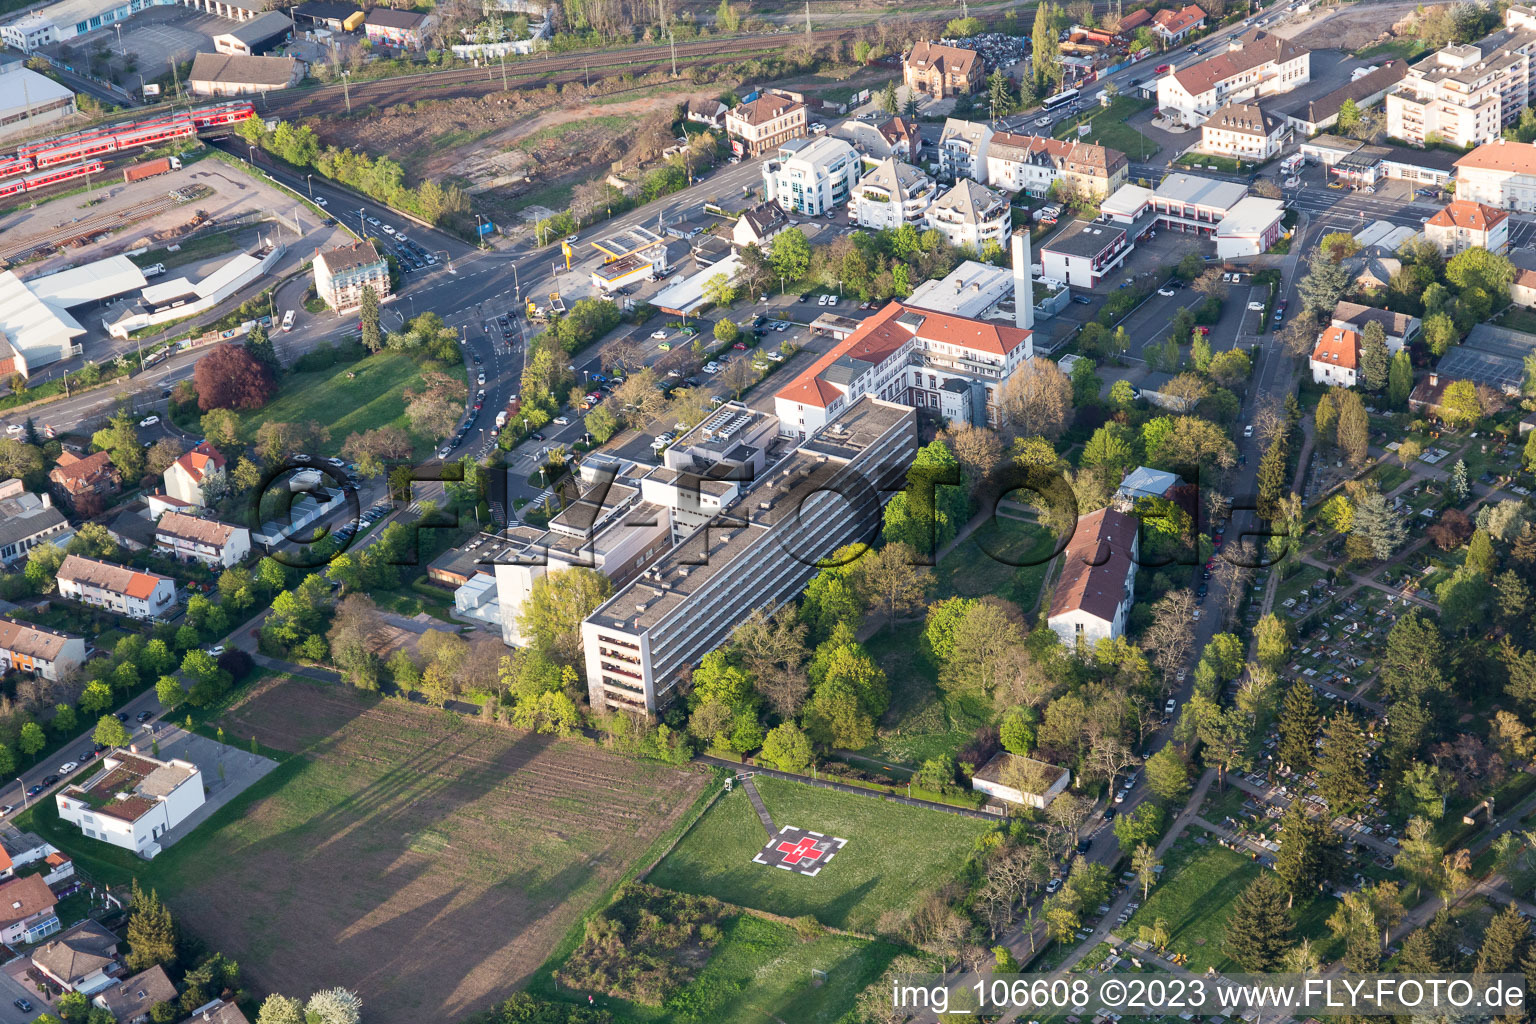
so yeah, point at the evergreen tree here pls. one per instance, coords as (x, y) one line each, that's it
(1324, 284)
(1259, 929)
(1505, 942)
(151, 935)
(1000, 94)
(1271, 479)
(1381, 527)
(373, 337)
(1413, 663)
(1399, 380)
(1374, 357)
(1480, 556)
(1299, 725)
(1341, 772)
(1459, 486)
(1354, 428)
(259, 346)
(1310, 851)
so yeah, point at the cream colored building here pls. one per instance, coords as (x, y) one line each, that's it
(971, 215)
(1467, 93)
(893, 194)
(1243, 131)
(1253, 66)
(765, 124)
(1501, 174)
(342, 273)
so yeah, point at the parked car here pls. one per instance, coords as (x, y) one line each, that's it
(216, 650)
(67, 767)
(31, 791)
(1165, 292)
(562, 421)
(143, 716)
(149, 421)
(1170, 706)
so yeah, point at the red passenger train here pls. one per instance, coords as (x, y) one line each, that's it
(43, 179)
(96, 142)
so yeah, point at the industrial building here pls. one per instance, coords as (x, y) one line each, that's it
(30, 101)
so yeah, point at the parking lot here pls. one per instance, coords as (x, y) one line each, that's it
(149, 42)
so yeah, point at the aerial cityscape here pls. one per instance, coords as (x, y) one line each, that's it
(766, 511)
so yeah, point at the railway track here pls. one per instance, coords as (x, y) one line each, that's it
(473, 83)
(18, 247)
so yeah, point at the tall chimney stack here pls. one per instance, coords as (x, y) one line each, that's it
(1023, 287)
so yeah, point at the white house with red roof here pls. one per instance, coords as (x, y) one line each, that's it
(955, 365)
(1255, 65)
(1463, 225)
(1336, 358)
(1098, 578)
(1174, 26)
(131, 592)
(186, 477)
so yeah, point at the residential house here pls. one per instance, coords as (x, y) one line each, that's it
(970, 215)
(38, 651)
(1372, 273)
(1400, 328)
(27, 910)
(1463, 224)
(1243, 131)
(1335, 358)
(1428, 393)
(1098, 579)
(131, 1000)
(1144, 482)
(942, 71)
(1522, 290)
(406, 29)
(190, 539)
(903, 138)
(1083, 253)
(812, 176)
(1173, 27)
(342, 273)
(131, 592)
(758, 225)
(1364, 91)
(82, 482)
(132, 801)
(82, 959)
(201, 467)
(765, 124)
(1255, 65)
(218, 1012)
(963, 149)
(892, 194)
(1033, 163)
(707, 112)
(1501, 174)
(1466, 93)
(224, 74)
(1016, 779)
(27, 520)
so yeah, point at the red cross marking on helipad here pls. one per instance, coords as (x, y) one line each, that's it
(805, 849)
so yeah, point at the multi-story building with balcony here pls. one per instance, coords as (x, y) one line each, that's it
(941, 70)
(1083, 253)
(963, 147)
(812, 176)
(825, 493)
(191, 539)
(970, 215)
(131, 592)
(1033, 163)
(765, 124)
(893, 194)
(1467, 93)
(1257, 64)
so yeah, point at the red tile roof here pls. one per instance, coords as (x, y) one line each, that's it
(1096, 564)
(1469, 216)
(1257, 49)
(1174, 22)
(197, 461)
(880, 335)
(1134, 20)
(115, 578)
(1514, 157)
(1338, 346)
(73, 471)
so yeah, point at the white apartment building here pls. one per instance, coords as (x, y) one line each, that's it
(1033, 163)
(1257, 64)
(190, 539)
(342, 273)
(825, 493)
(186, 477)
(38, 651)
(1243, 131)
(812, 176)
(1467, 93)
(133, 800)
(893, 194)
(131, 592)
(1463, 225)
(1098, 579)
(970, 215)
(963, 147)
(1501, 174)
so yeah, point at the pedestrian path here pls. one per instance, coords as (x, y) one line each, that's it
(760, 807)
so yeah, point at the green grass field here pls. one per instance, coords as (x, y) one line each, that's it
(1006, 557)
(348, 399)
(1195, 898)
(761, 971)
(896, 855)
(1110, 128)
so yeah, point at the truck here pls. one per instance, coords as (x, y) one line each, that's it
(501, 419)
(151, 169)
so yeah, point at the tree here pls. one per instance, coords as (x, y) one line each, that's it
(1341, 766)
(1298, 727)
(1139, 827)
(1310, 851)
(1168, 775)
(1459, 404)
(32, 739)
(791, 255)
(110, 732)
(1259, 927)
(551, 617)
(983, 636)
(787, 748)
(64, 721)
(1145, 863)
(1477, 268)
(1324, 284)
(718, 291)
(737, 375)
(1374, 356)
(120, 440)
(151, 935)
(278, 1009)
(1354, 430)
(1399, 380)
(1000, 94)
(726, 330)
(1349, 116)
(373, 337)
(334, 1006)
(889, 580)
(1379, 526)
(1037, 400)
(229, 378)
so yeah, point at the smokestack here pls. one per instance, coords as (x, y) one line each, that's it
(1023, 287)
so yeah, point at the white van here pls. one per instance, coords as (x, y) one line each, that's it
(288, 320)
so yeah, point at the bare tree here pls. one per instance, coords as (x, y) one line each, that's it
(772, 646)
(889, 579)
(738, 375)
(1108, 755)
(1038, 400)
(1170, 639)
(1270, 420)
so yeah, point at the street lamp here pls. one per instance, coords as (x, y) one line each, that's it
(26, 801)
(250, 151)
(310, 178)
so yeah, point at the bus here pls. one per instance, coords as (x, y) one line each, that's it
(1061, 99)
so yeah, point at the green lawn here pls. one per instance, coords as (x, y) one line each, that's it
(896, 855)
(1110, 128)
(1195, 898)
(761, 971)
(1006, 557)
(348, 399)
